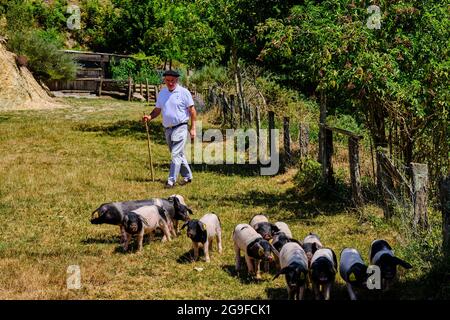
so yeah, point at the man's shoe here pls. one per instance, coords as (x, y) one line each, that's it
(168, 186)
(185, 181)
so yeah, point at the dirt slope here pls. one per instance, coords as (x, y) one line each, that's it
(18, 88)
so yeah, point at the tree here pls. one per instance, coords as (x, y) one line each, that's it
(394, 77)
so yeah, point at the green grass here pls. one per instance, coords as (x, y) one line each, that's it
(57, 166)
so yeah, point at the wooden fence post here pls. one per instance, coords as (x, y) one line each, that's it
(100, 84)
(271, 126)
(241, 114)
(258, 123)
(419, 179)
(287, 141)
(444, 188)
(148, 91)
(303, 139)
(232, 110)
(250, 113)
(141, 89)
(322, 121)
(327, 153)
(129, 88)
(384, 182)
(355, 174)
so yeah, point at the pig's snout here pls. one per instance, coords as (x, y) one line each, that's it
(134, 227)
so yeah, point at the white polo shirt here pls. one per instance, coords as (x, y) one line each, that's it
(174, 105)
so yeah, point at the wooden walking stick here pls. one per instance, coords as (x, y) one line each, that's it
(149, 151)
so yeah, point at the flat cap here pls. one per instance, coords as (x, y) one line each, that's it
(171, 73)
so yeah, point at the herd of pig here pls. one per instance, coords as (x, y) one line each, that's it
(262, 242)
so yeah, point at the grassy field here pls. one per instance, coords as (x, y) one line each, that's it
(57, 166)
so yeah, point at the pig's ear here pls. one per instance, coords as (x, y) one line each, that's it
(202, 226)
(125, 219)
(314, 247)
(95, 214)
(260, 250)
(189, 210)
(185, 224)
(282, 271)
(274, 228)
(176, 201)
(402, 263)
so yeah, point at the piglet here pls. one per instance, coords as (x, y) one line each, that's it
(262, 225)
(145, 220)
(381, 255)
(294, 265)
(255, 248)
(311, 243)
(202, 233)
(323, 272)
(353, 270)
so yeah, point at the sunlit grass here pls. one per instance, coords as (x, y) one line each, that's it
(57, 166)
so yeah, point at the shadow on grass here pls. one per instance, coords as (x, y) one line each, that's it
(146, 179)
(102, 240)
(188, 257)
(243, 170)
(276, 293)
(4, 119)
(291, 201)
(243, 276)
(126, 128)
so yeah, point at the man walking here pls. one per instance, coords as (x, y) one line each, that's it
(177, 106)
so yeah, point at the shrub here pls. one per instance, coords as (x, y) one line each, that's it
(138, 68)
(208, 76)
(45, 60)
(309, 179)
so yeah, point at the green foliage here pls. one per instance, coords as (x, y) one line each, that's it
(399, 73)
(309, 179)
(139, 70)
(209, 76)
(19, 15)
(45, 60)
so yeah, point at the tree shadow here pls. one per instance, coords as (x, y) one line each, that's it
(126, 128)
(243, 170)
(243, 276)
(289, 201)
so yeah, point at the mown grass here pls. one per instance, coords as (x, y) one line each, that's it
(57, 166)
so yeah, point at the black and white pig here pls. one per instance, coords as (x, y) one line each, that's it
(381, 255)
(203, 232)
(283, 236)
(262, 225)
(294, 265)
(323, 272)
(255, 248)
(145, 220)
(180, 210)
(353, 270)
(113, 212)
(311, 244)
